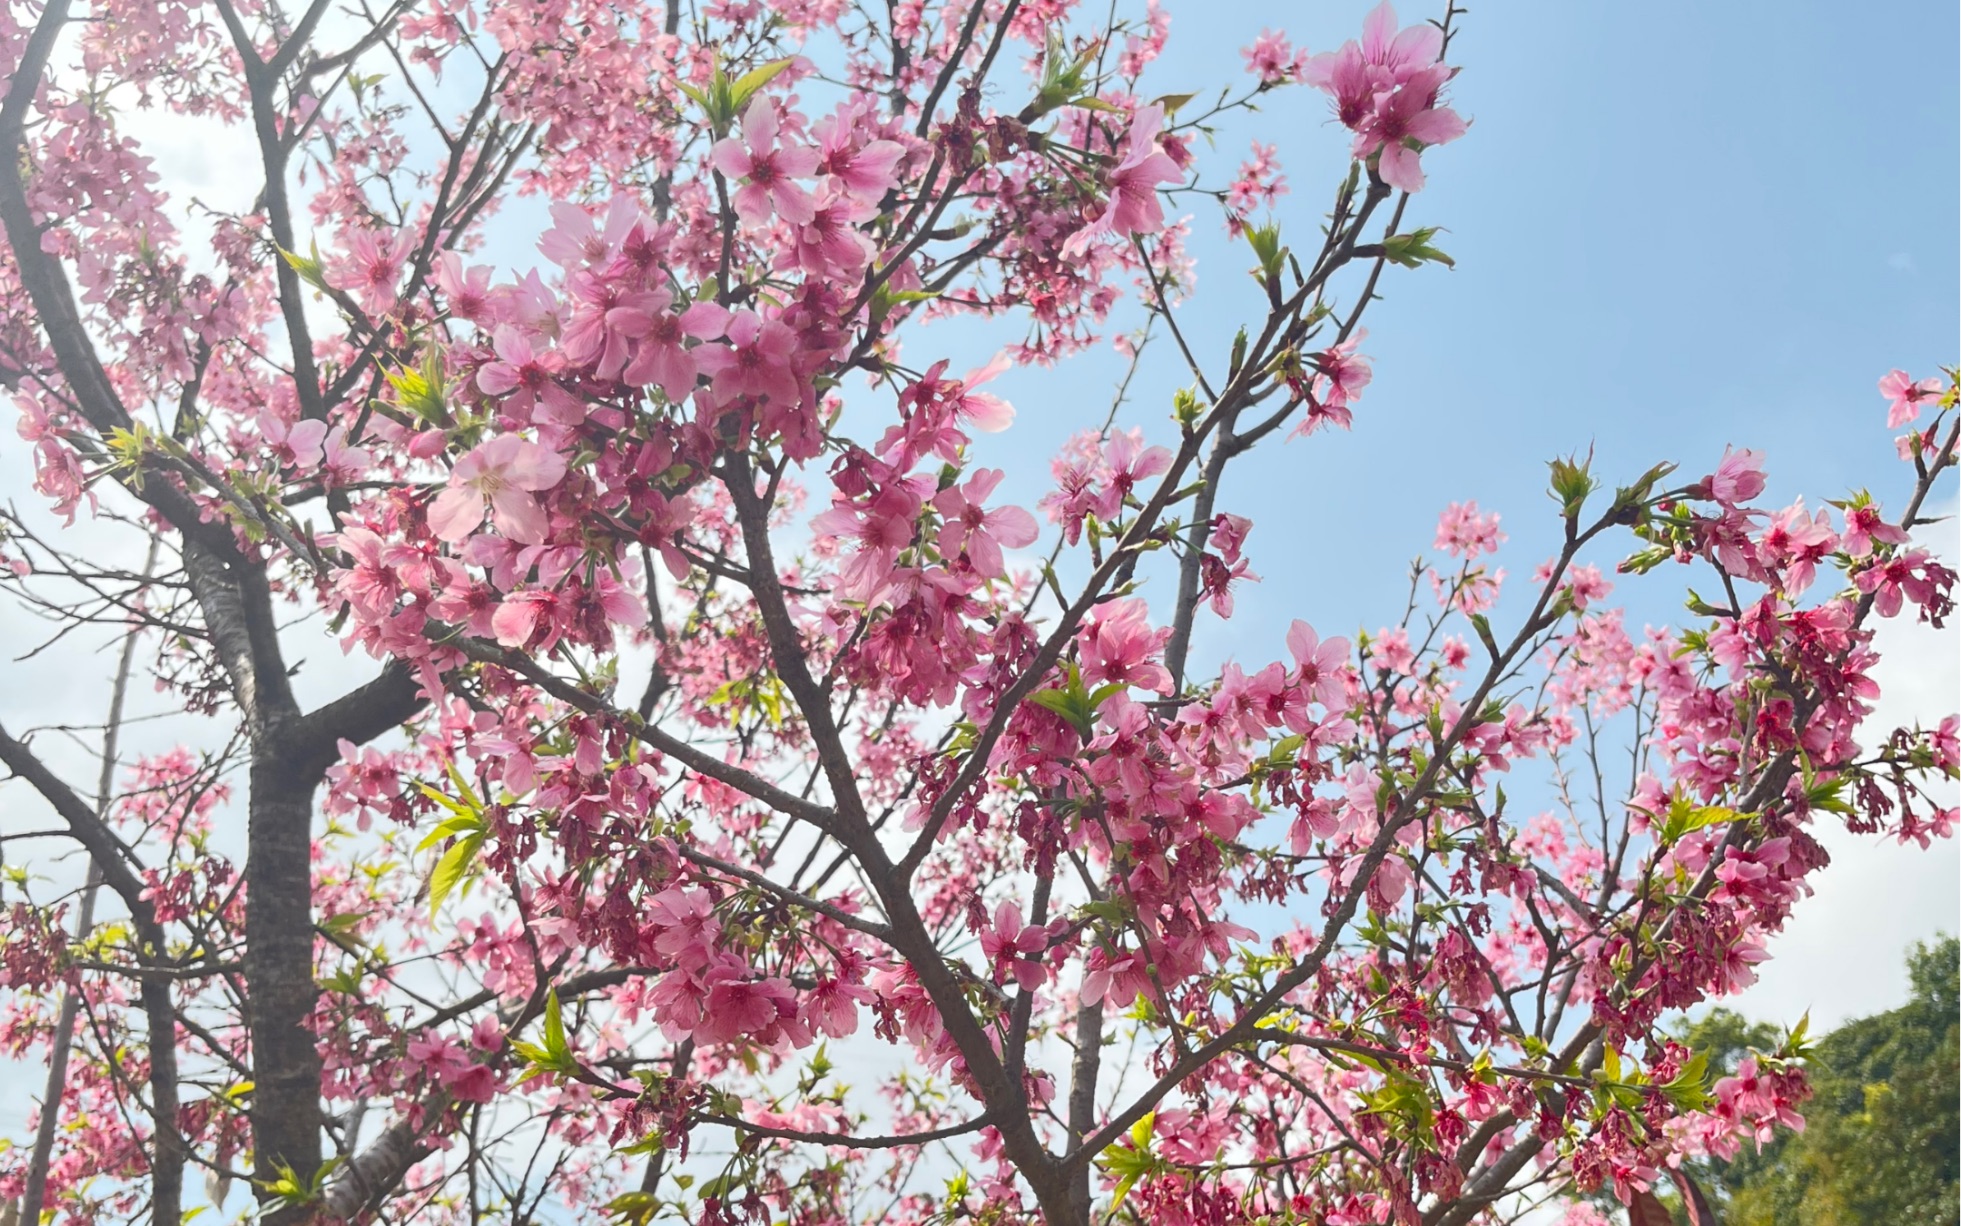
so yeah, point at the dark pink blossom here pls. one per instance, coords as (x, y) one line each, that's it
(758, 360)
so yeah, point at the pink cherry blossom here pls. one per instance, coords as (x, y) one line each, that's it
(372, 268)
(1320, 667)
(574, 239)
(1737, 479)
(528, 378)
(1794, 542)
(1405, 122)
(984, 410)
(980, 534)
(504, 474)
(766, 171)
(661, 357)
(295, 445)
(866, 169)
(1905, 396)
(1866, 527)
(1465, 533)
(1272, 59)
(1357, 73)
(342, 463)
(1119, 644)
(467, 291)
(606, 849)
(881, 526)
(1344, 372)
(1127, 463)
(1012, 950)
(1132, 206)
(758, 360)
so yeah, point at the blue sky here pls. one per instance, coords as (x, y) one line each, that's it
(1677, 226)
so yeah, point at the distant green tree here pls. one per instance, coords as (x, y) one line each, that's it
(1882, 1142)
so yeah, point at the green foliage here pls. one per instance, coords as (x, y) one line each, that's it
(1882, 1142)
(554, 1055)
(1685, 817)
(1065, 79)
(1266, 245)
(1572, 481)
(1075, 703)
(1415, 249)
(725, 98)
(465, 824)
(1131, 1160)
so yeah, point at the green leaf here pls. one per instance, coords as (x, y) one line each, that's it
(1131, 1160)
(1104, 692)
(1686, 817)
(554, 1055)
(1284, 754)
(1688, 1090)
(1064, 704)
(1075, 704)
(454, 866)
(1414, 249)
(1702, 608)
(637, 1208)
(1826, 795)
(555, 1026)
(343, 923)
(645, 1145)
(1571, 483)
(420, 391)
(463, 787)
(1265, 241)
(307, 266)
(1405, 1101)
(1185, 408)
(748, 83)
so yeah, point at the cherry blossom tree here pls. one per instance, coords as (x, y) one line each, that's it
(732, 808)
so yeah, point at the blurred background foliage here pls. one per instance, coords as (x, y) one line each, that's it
(1882, 1138)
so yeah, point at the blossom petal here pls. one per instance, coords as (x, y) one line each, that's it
(518, 516)
(455, 513)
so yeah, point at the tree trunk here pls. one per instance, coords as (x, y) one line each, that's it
(280, 990)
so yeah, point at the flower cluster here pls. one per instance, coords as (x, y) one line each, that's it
(722, 713)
